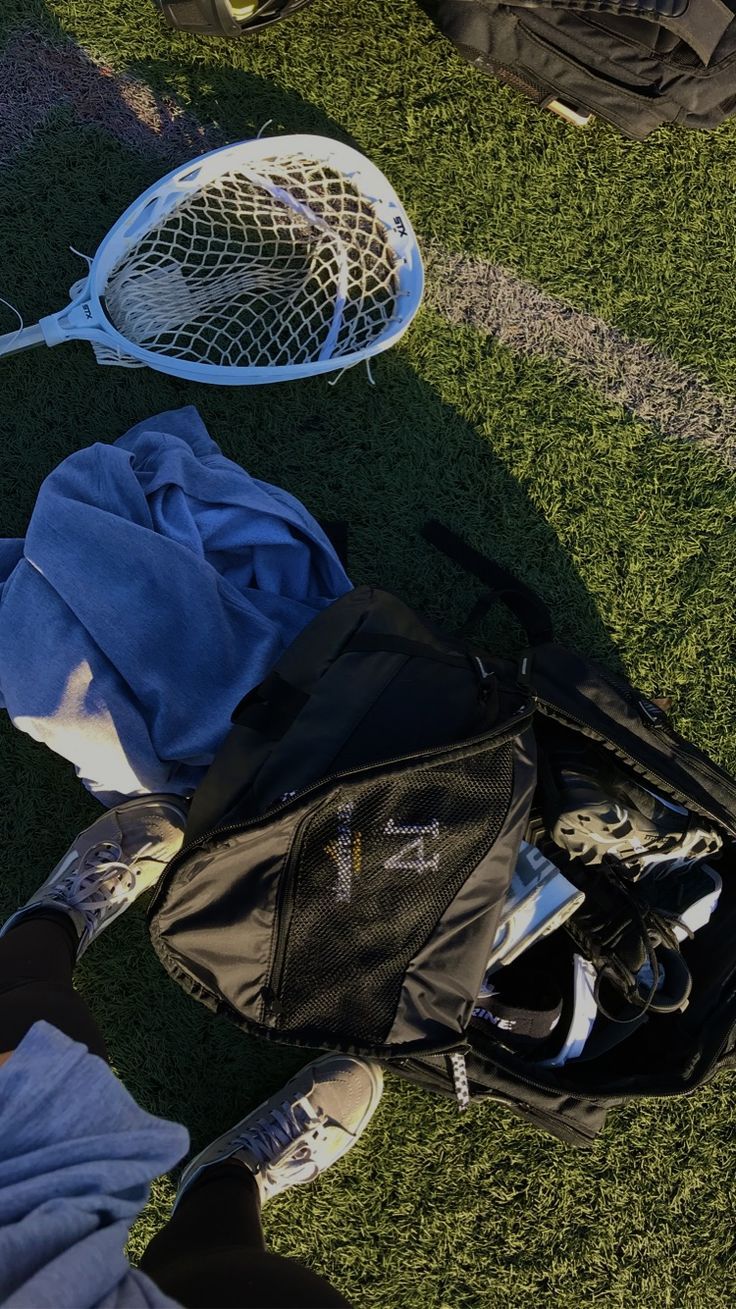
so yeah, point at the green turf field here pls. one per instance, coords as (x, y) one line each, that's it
(628, 532)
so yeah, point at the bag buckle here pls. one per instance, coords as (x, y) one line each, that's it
(654, 712)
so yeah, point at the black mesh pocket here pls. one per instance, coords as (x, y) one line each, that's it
(375, 869)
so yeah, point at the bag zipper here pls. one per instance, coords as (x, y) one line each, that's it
(720, 775)
(658, 721)
(283, 913)
(507, 731)
(574, 1135)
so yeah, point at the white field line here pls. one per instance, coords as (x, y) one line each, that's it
(624, 372)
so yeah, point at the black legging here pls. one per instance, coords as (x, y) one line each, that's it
(210, 1254)
(36, 964)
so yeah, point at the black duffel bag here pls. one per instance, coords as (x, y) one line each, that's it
(350, 850)
(638, 64)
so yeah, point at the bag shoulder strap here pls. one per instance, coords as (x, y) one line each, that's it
(528, 607)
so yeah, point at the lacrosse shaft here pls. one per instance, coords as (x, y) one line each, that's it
(12, 342)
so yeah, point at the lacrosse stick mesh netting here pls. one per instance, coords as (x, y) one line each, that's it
(236, 277)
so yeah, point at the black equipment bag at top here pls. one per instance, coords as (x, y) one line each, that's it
(228, 18)
(638, 64)
(348, 854)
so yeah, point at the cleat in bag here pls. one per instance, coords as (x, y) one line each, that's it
(620, 935)
(603, 813)
(538, 901)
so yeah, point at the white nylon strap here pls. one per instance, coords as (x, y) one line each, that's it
(460, 1079)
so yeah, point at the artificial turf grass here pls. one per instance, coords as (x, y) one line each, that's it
(433, 1209)
(629, 537)
(643, 233)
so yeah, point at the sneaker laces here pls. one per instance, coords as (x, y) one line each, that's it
(648, 919)
(281, 1128)
(99, 884)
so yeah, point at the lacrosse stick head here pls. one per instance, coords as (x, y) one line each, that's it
(260, 262)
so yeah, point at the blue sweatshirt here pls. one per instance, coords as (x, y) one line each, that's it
(157, 584)
(77, 1156)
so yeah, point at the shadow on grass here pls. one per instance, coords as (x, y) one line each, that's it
(383, 459)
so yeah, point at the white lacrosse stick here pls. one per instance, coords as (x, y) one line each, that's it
(260, 262)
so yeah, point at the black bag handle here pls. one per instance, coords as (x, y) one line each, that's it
(528, 607)
(270, 707)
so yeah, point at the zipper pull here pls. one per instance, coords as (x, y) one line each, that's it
(460, 1079)
(654, 712)
(272, 1005)
(486, 678)
(524, 670)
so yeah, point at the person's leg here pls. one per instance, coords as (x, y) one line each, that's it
(109, 865)
(211, 1252)
(37, 959)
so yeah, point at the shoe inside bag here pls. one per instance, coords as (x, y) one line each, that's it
(582, 1049)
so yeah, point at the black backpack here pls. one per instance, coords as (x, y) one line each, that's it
(349, 851)
(636, 63)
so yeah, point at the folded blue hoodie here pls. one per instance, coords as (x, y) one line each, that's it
(157, 584)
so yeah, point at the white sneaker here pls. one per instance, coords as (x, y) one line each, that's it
(110, 864)
(304, 1128)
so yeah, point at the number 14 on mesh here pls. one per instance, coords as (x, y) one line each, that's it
(260, 262)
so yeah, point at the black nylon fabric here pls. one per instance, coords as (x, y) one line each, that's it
(358, 706)
(574, 1121)
(330, 893)
(637, 64)
(356, 914)
(303, 926)
(453, 953)
(568, 687)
